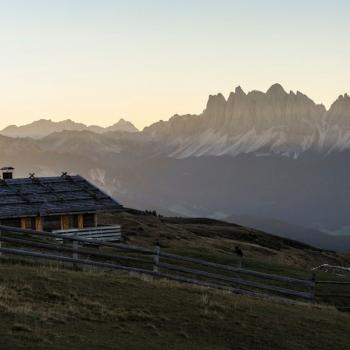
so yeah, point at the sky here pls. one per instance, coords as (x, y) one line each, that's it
(95, 61)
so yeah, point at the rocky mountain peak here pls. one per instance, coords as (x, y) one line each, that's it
(342, 103)
(216, 99)
(239, 91)
(339, 112)
(216, 104)
(276, 90)
(122, 125)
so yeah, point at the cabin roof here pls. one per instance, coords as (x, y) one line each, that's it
(52, 196)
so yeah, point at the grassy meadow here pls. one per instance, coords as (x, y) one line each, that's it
(48, 307)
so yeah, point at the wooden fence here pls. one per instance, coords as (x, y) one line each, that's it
(335, 291)
(154, 262)
(109, 233)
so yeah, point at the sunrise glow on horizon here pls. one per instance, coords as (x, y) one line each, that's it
(98, 61)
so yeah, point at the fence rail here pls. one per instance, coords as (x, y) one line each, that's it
(153, 262)
(240, 270)
(110, 233)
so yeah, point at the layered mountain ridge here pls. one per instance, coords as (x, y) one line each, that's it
(262, 123)
(44, 127)
(275, 122)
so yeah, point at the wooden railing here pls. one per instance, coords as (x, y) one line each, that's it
(110, 233)
(155, 262)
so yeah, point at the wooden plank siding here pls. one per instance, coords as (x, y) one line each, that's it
(80, 221)
(95, 220)
(64, 222)
(39, 223)
(23, 223)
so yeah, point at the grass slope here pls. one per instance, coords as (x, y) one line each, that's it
(55, 308)
(215, 240)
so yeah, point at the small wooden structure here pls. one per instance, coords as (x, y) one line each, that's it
(52, 203)
(109, 233)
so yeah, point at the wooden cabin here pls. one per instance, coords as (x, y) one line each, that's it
(51, 203)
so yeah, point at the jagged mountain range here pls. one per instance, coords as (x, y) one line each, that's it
(275, 160)
(275, 122)
(44, 127)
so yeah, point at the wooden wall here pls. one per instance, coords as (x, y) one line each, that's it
(63, 222)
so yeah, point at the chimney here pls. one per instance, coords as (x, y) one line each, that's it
(7, 172)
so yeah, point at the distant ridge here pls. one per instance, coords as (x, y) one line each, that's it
(256, 122)
(271, 122)
(44, 127)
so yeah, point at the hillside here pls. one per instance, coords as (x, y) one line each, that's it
(308, 235)
(45, 305)
(54, 308)
(216, 240)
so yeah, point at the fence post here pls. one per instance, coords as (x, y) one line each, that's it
(239, 263)
(75, 246)
(156, 258)
(313, 290)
